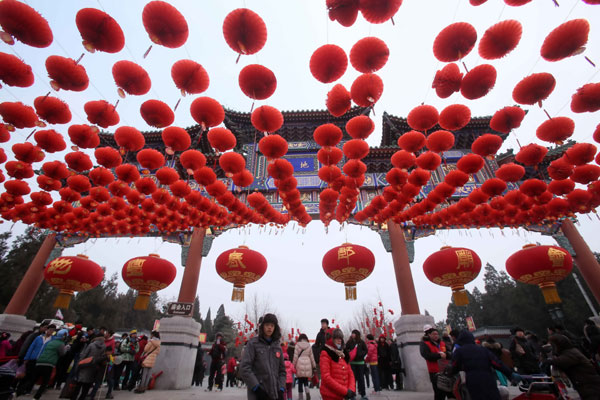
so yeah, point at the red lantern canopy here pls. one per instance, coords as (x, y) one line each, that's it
(453, 267)
(240, 266)
(147, 274)
(349, 264)
(542, 266)
(72, 274)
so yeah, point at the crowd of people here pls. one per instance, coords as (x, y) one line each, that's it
(78, 361)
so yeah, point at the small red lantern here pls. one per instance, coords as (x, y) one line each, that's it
(241, 266)
(146, 275)
(453, 267)
(72, 274)
(542, 266)
(349, 264)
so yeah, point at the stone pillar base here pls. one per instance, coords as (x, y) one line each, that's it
(16, 325)
(409, 330)
(179, 344)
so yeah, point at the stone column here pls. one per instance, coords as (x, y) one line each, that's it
(409, 331)
(404, 279)
(189, 282)
(585, 259)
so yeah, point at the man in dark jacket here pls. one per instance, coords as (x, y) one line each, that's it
(356, 351)
(217, 357)
(91, 367)
(396, 364)
(26, 383)
(432, 350)
(522, 354)
(199, 367)
(48, 358)
(384, 363)
(262, 367)
(320, 340)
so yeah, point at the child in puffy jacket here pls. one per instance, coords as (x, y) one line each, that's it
(290, 370)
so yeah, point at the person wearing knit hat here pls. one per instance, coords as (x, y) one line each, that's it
(432, 349)
(337, 379)
(263, 367)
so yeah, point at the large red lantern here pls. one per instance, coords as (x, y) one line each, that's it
(72, 274)
(453, 267)
(349, 264)
(241, 266)
(147, 274)
(542, 266)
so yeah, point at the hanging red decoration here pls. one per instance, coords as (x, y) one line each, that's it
(101, 112)
(533, 187)
(560, 168)
(534, 89)
(157, 113)
(586, 99)
(84, 136)
(566, 40)
(150, 158)
(240, 266)
(17, 169)
(429, 160)
(207, 112)
(561, 187)
(338, 100)
(456, 178)
(17, 187)
(52, 110)
(78, 161)
(145, 186)
(127, 173)
(147, 275)
(516, 3)
(175, 139)
(532, 154)
(129, 138)
(327, 135)
(453, 267)
(221, 139)
(412, 141)
(328, 63)
(244, 31)
(470, 163)
(369, 54)
(232, 163)
(66, 74)
(486, 145)
(14, 72)
(189, 77)
(356, 149)
(343, 11)
(192, 160)
(478, 82)
(403, 159)
(379, 11)
(585, 174)
(447, 81)
(580, 153)
(99, 31)
(280, 169)
(330, 155)
(167, 176)
(131, 78)
(507, 119)
(243, 179)
(454, 42)
(360, 127)
(165, 25)
(366, 90)
(273, 146)
(349, 264)
(556, 130)
(266, 119)
(78, 183)
(180, 188)
(542, 266)
(510, 172)
(50, 140)
(55, 170)
(18, 114)
(24, 24)
(257, 82)
(422, 118)
(72, 274)
(493, 187)
(500, 39)
(454, 117)
(440, 141)
(27, 152)
(101, 176)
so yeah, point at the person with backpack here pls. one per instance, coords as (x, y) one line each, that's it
(129, 348)
(91, 367)
(305, 365)
(357, 350)
(148, 359)
(48, 358)
(217, 356)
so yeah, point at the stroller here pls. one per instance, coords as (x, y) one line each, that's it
(541, 387)
(8, 372)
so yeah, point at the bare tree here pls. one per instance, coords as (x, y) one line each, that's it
(372, 318)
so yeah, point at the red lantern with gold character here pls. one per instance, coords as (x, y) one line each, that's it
(453, 267)
(72, 274)
(349, 264)
(147, 274)
(542, 266)
(241, 266)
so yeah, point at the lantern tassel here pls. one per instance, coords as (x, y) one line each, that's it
(238, 293)
(550, 293)
(460, 297)
(142, 301)
(63, 299)
(350, 291)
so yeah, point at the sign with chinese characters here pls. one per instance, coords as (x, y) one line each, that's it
(182, 309)
(470, 324)
(60, 266)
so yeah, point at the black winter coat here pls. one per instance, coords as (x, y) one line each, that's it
(479, 364)
(527, 363)
(383, 355)
(395, 358)
(580, 371)
(319, 344)
(361, 349)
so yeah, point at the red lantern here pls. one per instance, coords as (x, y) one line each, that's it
(99, 31)
(52, 110)
(478, 82)
(72, 274)
(147, 274)
(131, 78)
(500, 39)
(165, 25)
(338, 100)
(566, 40)
(66, 74)
(542, 266)
(328, 63)
(189, 77)
(101, 112)
(534, 88)
(207, 112)
(366, 90)
(423, 117)
(157, 113)
(241, 266)
(447, 80)
(244, 31)
(24, 24)
(257, 82)
(454, 42)
(15, 72)
(507, 119)
(453, 267)
(369, 54)
(349, 264)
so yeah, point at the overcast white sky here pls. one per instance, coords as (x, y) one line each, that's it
(294, 282)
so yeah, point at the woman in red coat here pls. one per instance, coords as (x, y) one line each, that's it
(337, 379)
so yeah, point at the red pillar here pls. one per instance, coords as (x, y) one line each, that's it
(189, 282)
(27, 289)
(585, 259)
(404, 279)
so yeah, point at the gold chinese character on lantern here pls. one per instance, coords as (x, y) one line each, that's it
(557, 257)
(134, 267)
(235, 260)
(345, 252)
(60, 266)
(465, 259)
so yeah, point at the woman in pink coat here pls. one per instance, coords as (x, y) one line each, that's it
(148, 358)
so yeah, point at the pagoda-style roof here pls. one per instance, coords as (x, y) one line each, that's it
(554, 153)
(393, 127)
